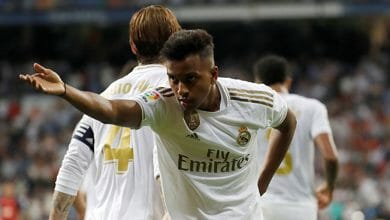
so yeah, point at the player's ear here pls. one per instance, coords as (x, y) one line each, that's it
(133, 47)
(288, 83)
(214, 74)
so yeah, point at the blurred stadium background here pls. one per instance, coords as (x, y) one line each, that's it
(339, 50)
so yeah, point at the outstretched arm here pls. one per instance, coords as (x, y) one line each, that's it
(279, 142)
(325, 143)
(120, 112)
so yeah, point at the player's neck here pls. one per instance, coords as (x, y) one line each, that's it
(147, 61)
(280, 88)
(213, 100)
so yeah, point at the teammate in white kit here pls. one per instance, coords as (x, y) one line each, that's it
(206, 130)
(291, 193)
(120, 160)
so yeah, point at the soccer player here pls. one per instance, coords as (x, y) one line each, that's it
(120, 160)
(291, 193)
(206, 129)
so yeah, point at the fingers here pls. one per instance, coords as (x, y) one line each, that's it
(30, 79)
(39, 69)
(38, 75)
(22, 77)
(40, 88)
(25, 77)
(46, 73)
(34, 84)
(44, 80)
(323, 200)
(322, 205)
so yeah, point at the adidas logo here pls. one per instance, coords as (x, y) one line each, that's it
(193, 136)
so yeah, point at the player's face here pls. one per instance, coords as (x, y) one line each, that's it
(191, 80)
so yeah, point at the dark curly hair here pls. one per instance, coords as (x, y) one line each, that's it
(188, 42)
(271, 69)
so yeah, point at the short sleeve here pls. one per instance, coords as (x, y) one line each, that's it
(278, 112)
(77, 158)
(320, 121)
(153, 107)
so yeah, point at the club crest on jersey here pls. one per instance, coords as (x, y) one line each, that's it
(150, 96)
(192, 119)
(243, 136)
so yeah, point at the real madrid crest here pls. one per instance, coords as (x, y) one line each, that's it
(243, 136)
(192, 119)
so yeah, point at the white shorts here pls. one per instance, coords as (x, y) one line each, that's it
(283, 211)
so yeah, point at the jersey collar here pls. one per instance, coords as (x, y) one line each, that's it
(147, 66)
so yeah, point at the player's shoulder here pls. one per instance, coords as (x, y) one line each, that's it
(156, 96)
(244, 86)
(140, 79)
(164, 91)
(159, 94)
(309, 103)
(116, 87)
(234, 83)
(248, 93)
(151, 72)
(89, 122)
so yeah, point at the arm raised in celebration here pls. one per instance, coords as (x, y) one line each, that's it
(119, 112)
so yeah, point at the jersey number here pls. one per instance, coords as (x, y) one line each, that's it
(287, 164)
(122, 154)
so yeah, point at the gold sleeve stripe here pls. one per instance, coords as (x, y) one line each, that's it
(262, 97)
(251, 92)
(252, 101)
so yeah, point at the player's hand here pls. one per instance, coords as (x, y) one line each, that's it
(262, 189)
(166, 216)
(44, 80)
(262, 183)
(324, 196)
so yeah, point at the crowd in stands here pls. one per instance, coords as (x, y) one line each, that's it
(43, 5)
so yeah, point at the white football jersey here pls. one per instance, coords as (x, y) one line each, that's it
(89, 192)
(211, 172)
(294, 180)
(120, 159)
